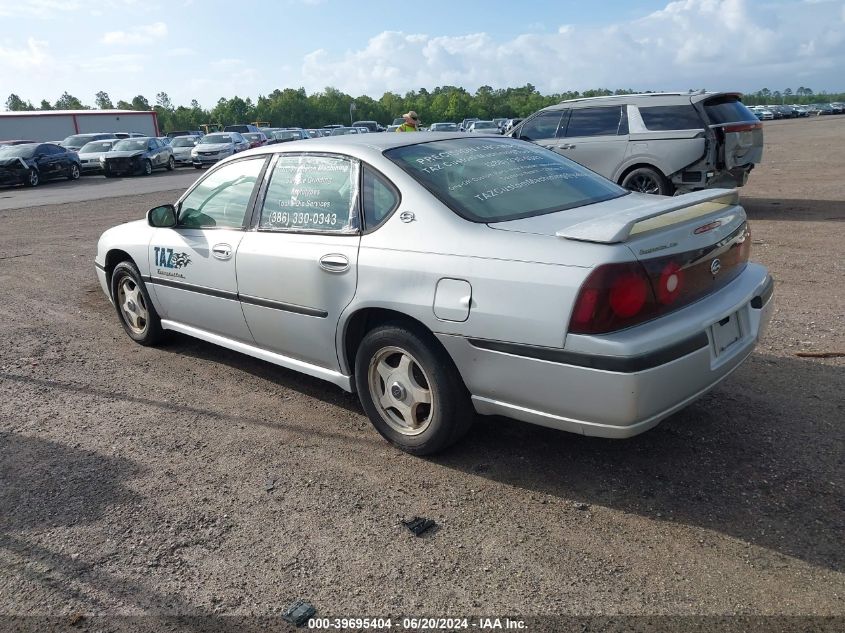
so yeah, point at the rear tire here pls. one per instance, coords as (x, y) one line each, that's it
(136, 312)
(647, 180)
(411, 390)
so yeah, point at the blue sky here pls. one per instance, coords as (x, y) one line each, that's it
(206, 50)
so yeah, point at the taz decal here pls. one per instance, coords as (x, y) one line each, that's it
(166, 258)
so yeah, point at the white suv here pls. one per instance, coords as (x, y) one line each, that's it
(658, 143)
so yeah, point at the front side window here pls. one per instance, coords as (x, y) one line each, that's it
(595, 122)
(498, 179)
(221, 199)
(542, 126)
(309, 192)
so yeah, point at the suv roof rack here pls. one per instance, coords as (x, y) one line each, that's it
(639, 94)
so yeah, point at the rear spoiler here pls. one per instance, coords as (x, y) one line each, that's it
(619, 226)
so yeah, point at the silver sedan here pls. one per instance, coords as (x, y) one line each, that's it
(441, 276)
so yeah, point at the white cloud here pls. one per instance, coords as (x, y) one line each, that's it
(142, 34)
(37, 8)
(34, 55)
(717, 44)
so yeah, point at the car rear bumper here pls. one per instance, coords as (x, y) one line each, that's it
(617, 395)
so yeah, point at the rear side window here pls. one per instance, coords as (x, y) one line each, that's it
(680, 117)
(595, 122)
(379, 198)
(312, 193)
(542, 126)
(727, 109)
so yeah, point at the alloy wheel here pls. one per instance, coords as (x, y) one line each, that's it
(401, 390)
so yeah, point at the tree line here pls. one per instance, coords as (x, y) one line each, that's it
(295, 108)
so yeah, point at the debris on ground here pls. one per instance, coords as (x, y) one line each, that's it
(419, 525)
(299, 613)
(581, 506)
(270, 484)
(820, 354)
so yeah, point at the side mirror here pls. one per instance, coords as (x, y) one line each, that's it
(162, 217)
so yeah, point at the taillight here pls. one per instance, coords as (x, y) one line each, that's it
(613, 297)
(743, 127)
(618, 296)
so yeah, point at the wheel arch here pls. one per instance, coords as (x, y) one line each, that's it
(113, 258)
(365, 319)
(639, 165)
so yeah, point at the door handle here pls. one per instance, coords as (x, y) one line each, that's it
(334, 263)
(221, 251)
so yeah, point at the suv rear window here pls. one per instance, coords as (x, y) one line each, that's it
(727, 109)
(498, 179)
(604, 121)
(680, 117)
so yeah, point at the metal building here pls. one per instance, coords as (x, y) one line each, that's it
(55, 125)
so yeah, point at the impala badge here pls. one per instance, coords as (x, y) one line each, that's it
(715, 267)
(407, 216)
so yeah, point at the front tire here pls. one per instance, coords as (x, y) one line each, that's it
(73, 172)
(171, 164)
(197, 166)
(33, 178)
(411, 390)
(148, 167)
(647, 180)
(137, 314)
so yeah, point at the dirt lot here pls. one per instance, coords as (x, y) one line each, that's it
(132, 480)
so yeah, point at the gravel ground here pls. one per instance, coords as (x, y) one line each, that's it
(190, 480)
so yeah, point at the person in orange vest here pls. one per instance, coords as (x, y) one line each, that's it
(411, 122)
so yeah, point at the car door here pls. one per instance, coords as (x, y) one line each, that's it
(596, 137)
(297, 270)
(192, 266)
(47, 160)
(153, 152)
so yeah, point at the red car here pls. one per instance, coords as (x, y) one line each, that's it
(256, 139)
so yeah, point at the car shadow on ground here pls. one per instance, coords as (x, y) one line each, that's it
(184, 345)
(45, 484)
(759, 459)
(793, 210)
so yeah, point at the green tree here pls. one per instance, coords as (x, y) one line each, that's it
(15, 104)
(123, 105)
(45, 105)
(69, 102)
(140, 103)
(103, 101)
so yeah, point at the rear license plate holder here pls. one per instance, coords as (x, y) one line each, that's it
(725, 333)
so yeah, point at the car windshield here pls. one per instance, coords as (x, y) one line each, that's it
(96, 146)
(252, 136)
(183, 142)
(444, 127)
(76, 141)
(493, 180)
(484, 125)
(17, 151)
(130, 145)
(215, 138)
(284, 136)
(340, 131)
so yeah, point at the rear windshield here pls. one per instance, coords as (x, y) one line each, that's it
(212, 139)
(188, 141)
(493, 180)
(727, 109)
